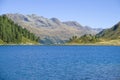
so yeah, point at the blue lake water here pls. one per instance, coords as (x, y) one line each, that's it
(59, 63)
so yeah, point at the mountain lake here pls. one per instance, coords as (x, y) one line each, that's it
(59, 62)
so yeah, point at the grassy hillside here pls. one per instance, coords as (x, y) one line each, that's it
(11, 33)
(24, 41)
(109, 42)
(1, 42)
(111, 33)
(109, 36)
(28, 41)
(101, 42)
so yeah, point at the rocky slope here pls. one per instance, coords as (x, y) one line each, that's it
(51, 31)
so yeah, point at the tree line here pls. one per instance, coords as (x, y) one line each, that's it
(87, 38)
(13, 33)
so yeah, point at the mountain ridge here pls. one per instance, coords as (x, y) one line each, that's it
(51, 30)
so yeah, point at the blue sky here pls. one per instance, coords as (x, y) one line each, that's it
(93, 13)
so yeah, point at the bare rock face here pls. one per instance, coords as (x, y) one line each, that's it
(51, 31)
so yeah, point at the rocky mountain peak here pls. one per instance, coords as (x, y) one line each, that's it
(57, 21)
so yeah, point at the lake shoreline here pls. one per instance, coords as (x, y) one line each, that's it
(56, 45)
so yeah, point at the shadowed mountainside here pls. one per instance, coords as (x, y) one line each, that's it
(111, 33)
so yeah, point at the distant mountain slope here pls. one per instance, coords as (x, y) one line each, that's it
(111, 33)
(51, 30)
(11, 33)
(109, 36)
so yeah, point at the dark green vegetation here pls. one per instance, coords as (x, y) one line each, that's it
(12, 33)
(109, 36)
(111, 33)
(88, 38)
